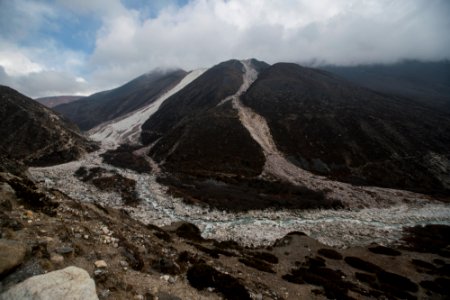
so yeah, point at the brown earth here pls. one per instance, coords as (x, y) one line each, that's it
(177, 262)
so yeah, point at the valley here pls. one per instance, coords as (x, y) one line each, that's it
(224, 150)
(202, 192)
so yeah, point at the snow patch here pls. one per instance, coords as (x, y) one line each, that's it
(127, 129)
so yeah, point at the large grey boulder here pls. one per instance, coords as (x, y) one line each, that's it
(12, 254)
(71, 283)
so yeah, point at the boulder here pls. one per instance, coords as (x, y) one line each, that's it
(12, 254)
(7, 196)
(71, 283)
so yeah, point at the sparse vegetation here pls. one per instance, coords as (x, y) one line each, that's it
(242, 194)
(384, 250)
(361, 264)
(257, 264)
(202, 276)
(123, 157)
(330, 253)
(110, 181)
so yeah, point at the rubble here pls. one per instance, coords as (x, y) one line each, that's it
(342, 228)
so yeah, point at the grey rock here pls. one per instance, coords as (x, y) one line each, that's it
(71, 283)
(64, 250)
(7, 195)
(166, 296)
(24, 271)
(12, 254)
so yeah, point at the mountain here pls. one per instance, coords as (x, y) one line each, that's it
(232, 121)
(57, 100)
(425, 82)
(35, 135)
(104, 106)
(329, 126)
(196, 134)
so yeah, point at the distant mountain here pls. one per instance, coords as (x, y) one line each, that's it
(104, 106)
(33, 134)
(318, 122)
(426, 82)
(57, 100)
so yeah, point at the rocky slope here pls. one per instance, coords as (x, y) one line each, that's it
(128, 259)
(35, 135)
(104, 106)
(196, 135)
(267, 135)
(331, 127)
(127, 129)
(57, 100)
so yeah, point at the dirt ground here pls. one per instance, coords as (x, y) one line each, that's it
(175, 262)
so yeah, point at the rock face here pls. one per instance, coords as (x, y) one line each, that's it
(35, 135)
(12, 254)
(331, 127)
(104, 106)
(71, 283)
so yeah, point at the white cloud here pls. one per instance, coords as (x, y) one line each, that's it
(341, 32)
(205, 32)
(17, 64)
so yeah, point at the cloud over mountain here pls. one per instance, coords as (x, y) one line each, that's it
(108, 42)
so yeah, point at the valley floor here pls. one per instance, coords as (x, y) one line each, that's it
(341, 228)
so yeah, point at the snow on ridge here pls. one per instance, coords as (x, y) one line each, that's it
(127, 129)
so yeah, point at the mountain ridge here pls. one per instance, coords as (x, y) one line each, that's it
(107, 105)
(35, 135)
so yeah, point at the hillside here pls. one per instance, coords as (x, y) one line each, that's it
(331, 127)
(34, 135)
(57, 100)
(107, 105)
(425, 82)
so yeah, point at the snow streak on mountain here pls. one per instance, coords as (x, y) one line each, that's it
(127, 129)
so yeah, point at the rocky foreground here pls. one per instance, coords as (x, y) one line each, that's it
(43, 231)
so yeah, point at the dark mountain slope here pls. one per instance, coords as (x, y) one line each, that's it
(199, 137)
(210, 157)
(329, 126)
(98, 108)
(204, 93)
(426, 82)
(57, 100)
(213, 142)
(35, 135)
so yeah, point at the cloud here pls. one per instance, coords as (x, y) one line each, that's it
(44, 83)
(137, 36)
(19, 19)
(340, 32)
(43, 71)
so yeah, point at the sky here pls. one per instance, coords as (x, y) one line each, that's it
(66, 47)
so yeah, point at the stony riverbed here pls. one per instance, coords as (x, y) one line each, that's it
(341, 228)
